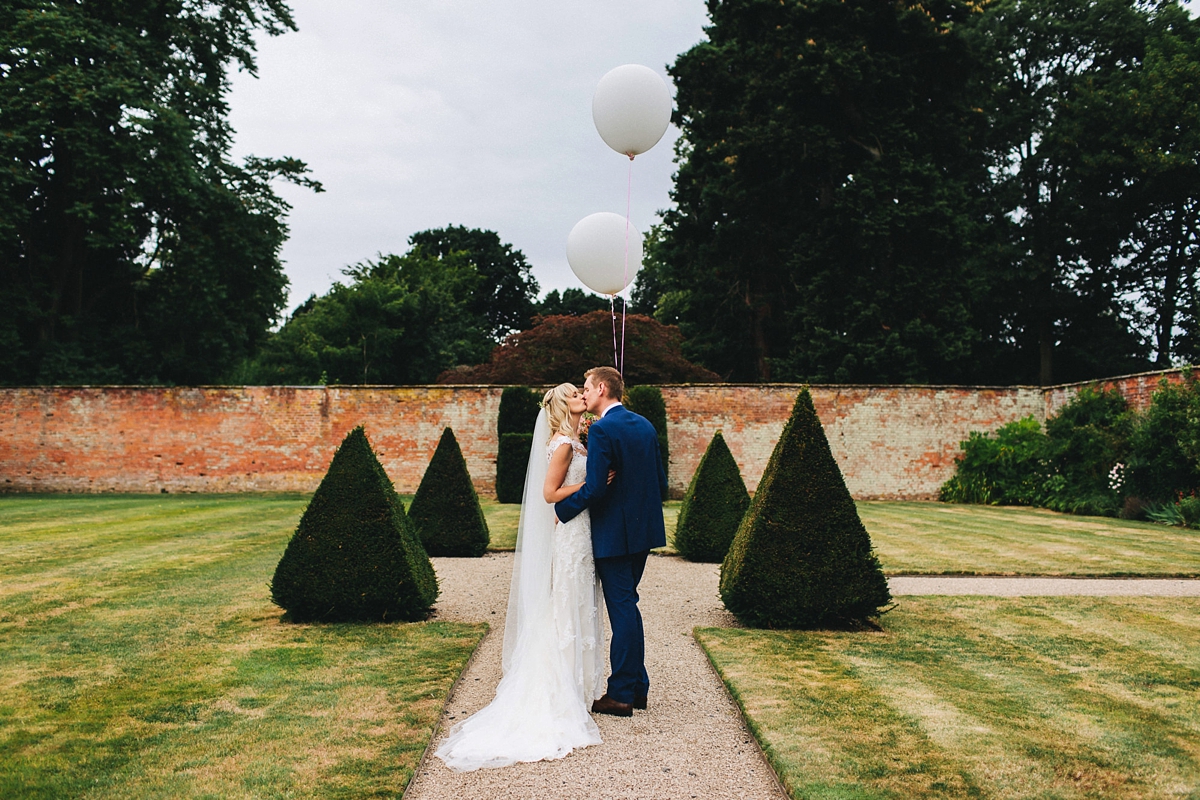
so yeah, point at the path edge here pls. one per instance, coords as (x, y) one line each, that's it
(749, 724)
(437, 726)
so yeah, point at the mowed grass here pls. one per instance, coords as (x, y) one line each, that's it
(939, 538)
(926, 538)
(979, 698)
(140, 656)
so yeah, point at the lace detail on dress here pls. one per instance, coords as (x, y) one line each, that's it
(576, 589)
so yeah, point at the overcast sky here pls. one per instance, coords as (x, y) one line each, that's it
(419, 114)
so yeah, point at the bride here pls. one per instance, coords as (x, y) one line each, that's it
(553, 636)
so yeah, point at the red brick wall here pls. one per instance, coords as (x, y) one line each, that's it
(1137, 389)
(891, 441)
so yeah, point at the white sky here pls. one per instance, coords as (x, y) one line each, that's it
(422, 114)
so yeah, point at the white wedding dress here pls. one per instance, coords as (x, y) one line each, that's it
(554, 654)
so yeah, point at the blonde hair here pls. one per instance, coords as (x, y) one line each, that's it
(558, 413)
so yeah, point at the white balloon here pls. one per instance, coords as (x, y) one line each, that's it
(631, 109)
(596, 252)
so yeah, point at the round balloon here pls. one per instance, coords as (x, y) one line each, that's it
(631, 109)
(596, 252)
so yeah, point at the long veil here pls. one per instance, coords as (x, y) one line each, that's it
(529, 600)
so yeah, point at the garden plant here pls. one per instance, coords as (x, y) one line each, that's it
(713, 507)
(801, 557)
(355, 555)
(445, 510)
(514, 423)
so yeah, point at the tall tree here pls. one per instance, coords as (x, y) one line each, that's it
(827, 194)
(131, 247)
(507, 291)
(1049, 65)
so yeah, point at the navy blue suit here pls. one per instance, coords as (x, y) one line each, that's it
(627, 522)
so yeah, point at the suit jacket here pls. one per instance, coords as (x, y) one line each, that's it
(626, 514)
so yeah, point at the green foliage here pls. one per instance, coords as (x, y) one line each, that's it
(713, 507)
(514, 422)
(561, 348)
(512, 463)
(648, 402)
(1096, 457)
(504, 300)
(355, 555)
(1007, 469)
(801, 557)
(518, 410)
(402, 320)
(1084, 442)
(1164, 461)
(572, 303)
(445, 510)
(131, 247)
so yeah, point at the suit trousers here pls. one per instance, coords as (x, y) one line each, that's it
(619, 578)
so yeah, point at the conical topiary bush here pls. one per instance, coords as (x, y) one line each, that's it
(355, 555)
(801, 557)
(713, 507)
(445, 511)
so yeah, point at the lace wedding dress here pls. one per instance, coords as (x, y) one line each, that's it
(554, 661)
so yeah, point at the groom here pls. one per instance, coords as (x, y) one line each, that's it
(627, 521)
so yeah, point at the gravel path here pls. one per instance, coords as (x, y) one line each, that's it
(1033, 586)
(690, 742)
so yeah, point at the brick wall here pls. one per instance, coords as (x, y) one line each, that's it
(890, 441)
(1136, 388)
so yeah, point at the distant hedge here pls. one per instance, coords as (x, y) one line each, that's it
(648, 401)
(354, 555)
(518, 413)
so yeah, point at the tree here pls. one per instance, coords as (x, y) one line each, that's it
(131, 247)
(519, 408)
(560, 349)
(1050, 67)
(572, 302)
(402, 320)
(801, 557)
(828, 193)
(355, 555)
(506, 292)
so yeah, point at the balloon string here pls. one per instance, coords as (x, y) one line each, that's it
(624, 298)
(612, 308)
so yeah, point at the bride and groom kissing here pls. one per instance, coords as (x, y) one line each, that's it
(589, 518)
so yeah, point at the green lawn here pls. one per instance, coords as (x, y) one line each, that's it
(140, 656)
(979, 697)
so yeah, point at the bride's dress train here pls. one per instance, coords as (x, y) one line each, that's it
(553, 643)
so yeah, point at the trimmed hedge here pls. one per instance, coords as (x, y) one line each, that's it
(648, 401)
(801, 557)
(512, 462)
(354, 555)
(518, 413)
(713, 507)
(445, 510)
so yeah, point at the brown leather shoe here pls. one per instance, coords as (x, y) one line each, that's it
(639, 702)
(606, 705)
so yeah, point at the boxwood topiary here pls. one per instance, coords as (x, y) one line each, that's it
(518, 413)
(512, 462)
(801, 557)
(713, 507)
(354, 555)
(648, 402)
(445, 510)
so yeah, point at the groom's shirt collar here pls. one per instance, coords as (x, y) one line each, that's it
(610, 408)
